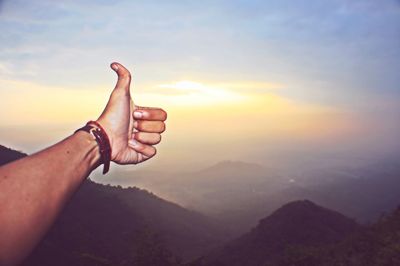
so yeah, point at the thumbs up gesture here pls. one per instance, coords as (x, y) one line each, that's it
(133, 130)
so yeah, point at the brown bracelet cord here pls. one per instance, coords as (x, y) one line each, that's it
(100, 135)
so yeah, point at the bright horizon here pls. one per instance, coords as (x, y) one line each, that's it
(247, 81)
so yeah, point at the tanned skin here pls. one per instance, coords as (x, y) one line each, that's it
(34, 190)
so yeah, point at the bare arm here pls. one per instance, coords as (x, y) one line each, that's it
(34, 190)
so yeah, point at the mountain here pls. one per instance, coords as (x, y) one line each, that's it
(363, 194)
(238, 193)
(297, 223)
(366, 196)
(223, 191)
(374, 245)
(119, 226)
(106, 225)
(8, 155)
(378, 244)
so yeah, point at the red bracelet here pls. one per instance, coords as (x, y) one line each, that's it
(100, 135)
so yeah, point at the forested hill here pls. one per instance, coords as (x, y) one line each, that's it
(296, 223)
(304, 234)
(105, 225)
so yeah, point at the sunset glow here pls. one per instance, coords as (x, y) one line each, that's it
(235, 79)
(195, 93)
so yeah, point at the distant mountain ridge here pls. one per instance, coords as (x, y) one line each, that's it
(243, 192)
(296, 223)
(105, 225)
(221, 191)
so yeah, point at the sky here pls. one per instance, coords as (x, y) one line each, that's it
(258, 81)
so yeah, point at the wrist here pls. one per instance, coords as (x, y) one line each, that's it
(102, 126)
(92, 155)
(99, 135)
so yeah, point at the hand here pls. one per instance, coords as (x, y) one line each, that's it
(132, 130)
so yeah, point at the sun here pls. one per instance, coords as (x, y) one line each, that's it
(187, 92)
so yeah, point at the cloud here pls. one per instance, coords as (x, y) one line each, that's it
(350, 44)
(190, 87)
(293, 62)
(4, 70)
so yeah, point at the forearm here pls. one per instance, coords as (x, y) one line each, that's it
(35, 189)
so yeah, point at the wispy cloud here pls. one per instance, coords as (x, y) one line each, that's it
(290, 64)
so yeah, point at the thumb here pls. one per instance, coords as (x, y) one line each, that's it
(124, 76)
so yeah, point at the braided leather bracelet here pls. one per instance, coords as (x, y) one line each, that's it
(100, 135)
